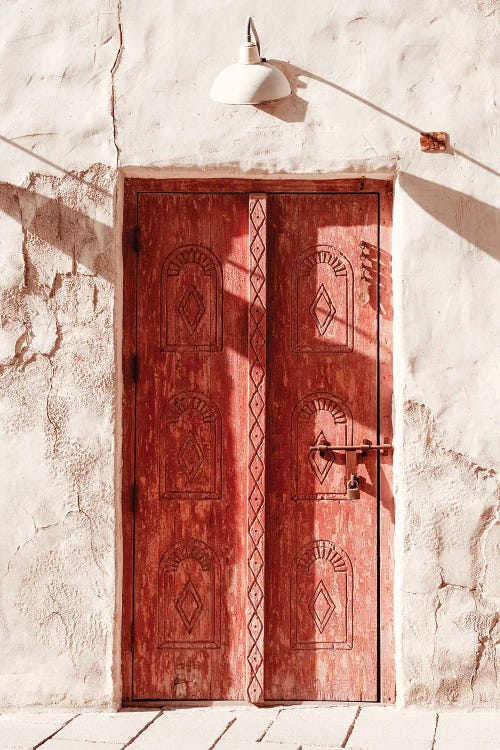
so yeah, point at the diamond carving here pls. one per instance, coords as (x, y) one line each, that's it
(322, 310)
(191, 308)
(321, 606)
(321, 465)
(190, 457)
(189, 605)
(189, 600)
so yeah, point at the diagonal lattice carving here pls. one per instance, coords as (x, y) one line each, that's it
(256, 437)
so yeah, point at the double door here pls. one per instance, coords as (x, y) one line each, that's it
(256, 337)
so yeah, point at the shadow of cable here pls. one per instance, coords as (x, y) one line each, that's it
(57, 167)
(293, 108)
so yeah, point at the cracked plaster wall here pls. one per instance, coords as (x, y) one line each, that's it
(97, 85)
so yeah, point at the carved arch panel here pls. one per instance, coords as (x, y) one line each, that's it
(191, 300)
(319, 418)
(189, 596)
(322, 301)
(190, 448)
(321, 588)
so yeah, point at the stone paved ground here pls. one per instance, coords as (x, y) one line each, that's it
(238, 727)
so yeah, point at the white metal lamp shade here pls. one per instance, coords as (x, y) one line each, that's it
(251, 80)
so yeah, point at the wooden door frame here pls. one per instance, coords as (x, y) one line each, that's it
(380, 279)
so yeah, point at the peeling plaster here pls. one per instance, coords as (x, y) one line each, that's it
(58, 421)
(452, 504)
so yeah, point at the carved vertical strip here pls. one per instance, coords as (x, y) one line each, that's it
(256, 455)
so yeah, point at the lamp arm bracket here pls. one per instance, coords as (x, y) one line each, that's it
(252, 30)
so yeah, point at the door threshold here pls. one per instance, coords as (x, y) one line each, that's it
(169, 705)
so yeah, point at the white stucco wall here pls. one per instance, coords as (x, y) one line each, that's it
(91, 86)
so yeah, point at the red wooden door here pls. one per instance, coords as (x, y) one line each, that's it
(191, 405)
(254, 577)
(321, 549)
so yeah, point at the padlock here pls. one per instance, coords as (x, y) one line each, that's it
(352, 488)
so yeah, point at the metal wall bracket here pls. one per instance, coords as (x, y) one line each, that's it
(433, 141)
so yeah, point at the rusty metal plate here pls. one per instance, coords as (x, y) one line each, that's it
(433, 141)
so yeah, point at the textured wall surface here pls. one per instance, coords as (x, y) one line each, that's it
(58, 387)
(94, 86)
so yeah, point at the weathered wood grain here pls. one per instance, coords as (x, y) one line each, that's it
(320, 362)
(191, 445)
(321, 588)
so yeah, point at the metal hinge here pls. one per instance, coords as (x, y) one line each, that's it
(135, 368)
(137, 238)
(134, 497)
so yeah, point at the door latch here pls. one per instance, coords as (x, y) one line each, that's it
(352, 452)
(366, 445)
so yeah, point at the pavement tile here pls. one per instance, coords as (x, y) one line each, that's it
(56, 744)
(471, 731)
(232, 727)
(381, 728)
(39, 717)
(311, 725)
(185, 729)
(251, 724)
(107, 727)
(244, 745)
(24, 734)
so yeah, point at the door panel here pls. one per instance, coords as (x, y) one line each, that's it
(189, 587)
(321, 549)
(254, 576)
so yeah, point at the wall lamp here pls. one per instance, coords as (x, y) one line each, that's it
(251, 80)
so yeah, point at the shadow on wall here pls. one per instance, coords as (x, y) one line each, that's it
(294, 108)
(51, 221)
(474, 220)
(477, 222)
(91, 184)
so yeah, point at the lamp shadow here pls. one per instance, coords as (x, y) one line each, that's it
(292, 108)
